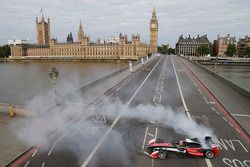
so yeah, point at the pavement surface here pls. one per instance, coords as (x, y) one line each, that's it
(133, 113)
(10, 145)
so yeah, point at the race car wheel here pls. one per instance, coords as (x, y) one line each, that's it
(162, 155)
(209, 154)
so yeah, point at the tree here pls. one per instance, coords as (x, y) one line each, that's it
(203, 50)
(231, 50)
(4, 51)
(247, 52)
(171, 51)
(163, 49)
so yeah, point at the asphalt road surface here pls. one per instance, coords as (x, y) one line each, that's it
(117, 138)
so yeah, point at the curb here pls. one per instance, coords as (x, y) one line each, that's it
(220, 102)
(25, 152)
(241, 90)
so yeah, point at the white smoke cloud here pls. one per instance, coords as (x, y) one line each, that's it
(58, 117)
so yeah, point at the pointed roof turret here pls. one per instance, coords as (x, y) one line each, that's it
(154, 15)
(80, 26)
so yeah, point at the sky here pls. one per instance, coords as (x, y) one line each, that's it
(105, 18)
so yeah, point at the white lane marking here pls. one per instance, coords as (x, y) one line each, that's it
(152, 122)
(240, 115)
(27, 163)
(50, 151)
(213, 108)
(154, 99)
(34, 153)
(144, 140)
(195, 84)
(200, 91)
(238, 130)
(43, 164)
(217, 113)
(85, 163)
(205, 99)
(225, 119)
(160, 99)
(156, 132)
(188, 115)
(150, 134)
(212, 102)
(153, 162)
(230, 124)
(209, 164)
(182, 98)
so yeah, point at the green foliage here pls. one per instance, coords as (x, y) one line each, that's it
(203, 50)
(247, 52)
(231, 50)
(4, 51)
(164, 49)
(171, 51)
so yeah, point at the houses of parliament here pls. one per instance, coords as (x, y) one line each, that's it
(121, 49)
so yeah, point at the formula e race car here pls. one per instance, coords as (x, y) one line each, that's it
(157, 148)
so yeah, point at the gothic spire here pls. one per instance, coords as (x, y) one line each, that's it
(154, 15)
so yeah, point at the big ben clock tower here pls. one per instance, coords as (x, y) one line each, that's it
(153, 33)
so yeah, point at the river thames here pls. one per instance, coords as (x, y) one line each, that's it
(236, 74)
(21, 81)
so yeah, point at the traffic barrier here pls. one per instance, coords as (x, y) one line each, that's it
(238, 88)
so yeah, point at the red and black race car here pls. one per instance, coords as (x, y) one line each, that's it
(157, 148)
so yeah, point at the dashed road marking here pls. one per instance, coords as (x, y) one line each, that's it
(209, 164)
(200, 91)
(34, 152)
(212, 108)
(27, 163)
(43, 164)
(240, 115)
(205, 99)
(90, 156)
(144, 140)
(225, 119)
(231, 124)
(150, 134)
(50, 151)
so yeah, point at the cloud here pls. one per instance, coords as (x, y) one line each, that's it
(114, 16)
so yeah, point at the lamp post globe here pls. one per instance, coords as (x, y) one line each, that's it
(54, 74)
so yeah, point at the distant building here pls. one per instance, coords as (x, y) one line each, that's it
(42, 31)
(242, 45)
(221, 44)
(188, 46)
(70, 38)
(153, 44)
(119, 48)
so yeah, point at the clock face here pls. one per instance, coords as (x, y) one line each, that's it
(153, 26)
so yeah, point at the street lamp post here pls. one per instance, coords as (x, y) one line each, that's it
(53, 74)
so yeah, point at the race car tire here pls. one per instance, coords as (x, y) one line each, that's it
(162, 155)
(209, 154)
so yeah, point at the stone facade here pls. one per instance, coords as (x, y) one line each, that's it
(83, 48)
(188, 46)
(242, 45)
(42, 31)
(153, 33)
(221, 44)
